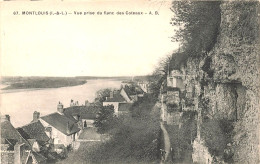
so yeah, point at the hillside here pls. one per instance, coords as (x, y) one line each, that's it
(223, 81)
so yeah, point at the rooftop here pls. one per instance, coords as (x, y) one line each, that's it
(61, 122)
(133, 90)
(34, 130)
(84, 112)
(10, 135)
(116, 98)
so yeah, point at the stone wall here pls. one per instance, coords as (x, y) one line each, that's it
(7, 157)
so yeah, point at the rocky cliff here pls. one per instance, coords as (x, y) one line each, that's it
(226, 80)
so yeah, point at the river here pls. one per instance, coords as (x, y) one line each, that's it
(20, 104)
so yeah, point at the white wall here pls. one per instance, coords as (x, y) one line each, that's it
(59, 137)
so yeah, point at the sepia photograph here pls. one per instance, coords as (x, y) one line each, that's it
(129, 82)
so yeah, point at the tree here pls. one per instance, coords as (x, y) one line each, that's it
(106, 120)
(198, 23)
(101, 95)
(159, 75)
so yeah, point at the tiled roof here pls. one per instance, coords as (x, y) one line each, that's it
(130, 90)
(71, 118)
(84, 112)
(124, 106)
(34, 130)
(133, 90)
(9, 133)
(116, 98)
(60, 122)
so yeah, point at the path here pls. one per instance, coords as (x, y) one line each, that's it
(87, 135)
(167, 143)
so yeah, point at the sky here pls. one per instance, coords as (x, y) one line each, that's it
(84, 45)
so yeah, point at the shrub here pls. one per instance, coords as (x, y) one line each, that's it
(134, 139)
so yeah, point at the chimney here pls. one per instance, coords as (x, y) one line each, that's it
(60, 108)
(18, 151)
(106, 98)
(36, 116)
(5, 118)
(71, 103)
(68, 127)
(111, 94)
(87, 103)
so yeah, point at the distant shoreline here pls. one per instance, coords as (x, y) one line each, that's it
(4, 91)
(20, 84)
(33, 89)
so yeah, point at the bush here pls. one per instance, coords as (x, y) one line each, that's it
(199, 24)
(106, 120)
(134, 139)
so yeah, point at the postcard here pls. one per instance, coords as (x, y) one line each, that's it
(141, 81)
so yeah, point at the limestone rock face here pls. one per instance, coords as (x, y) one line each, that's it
(225, 100)
(228, 77)
(200, 153)
(238, 41)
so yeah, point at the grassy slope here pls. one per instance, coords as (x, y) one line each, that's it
(134, 140)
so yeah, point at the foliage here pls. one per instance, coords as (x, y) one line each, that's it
(198, 23)
(134, 139)
(159, 75)
(142, 107)
(198, 27)
(101, 95)
(247, 25)
(106, 120)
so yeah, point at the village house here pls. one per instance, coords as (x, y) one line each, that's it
(174, 80)
(115, 99)
(132, 91)
(122, 100)
(144, 86)
(85, 115)
(60, 128)
(35, 133)
(172, 92)
(16, 149)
